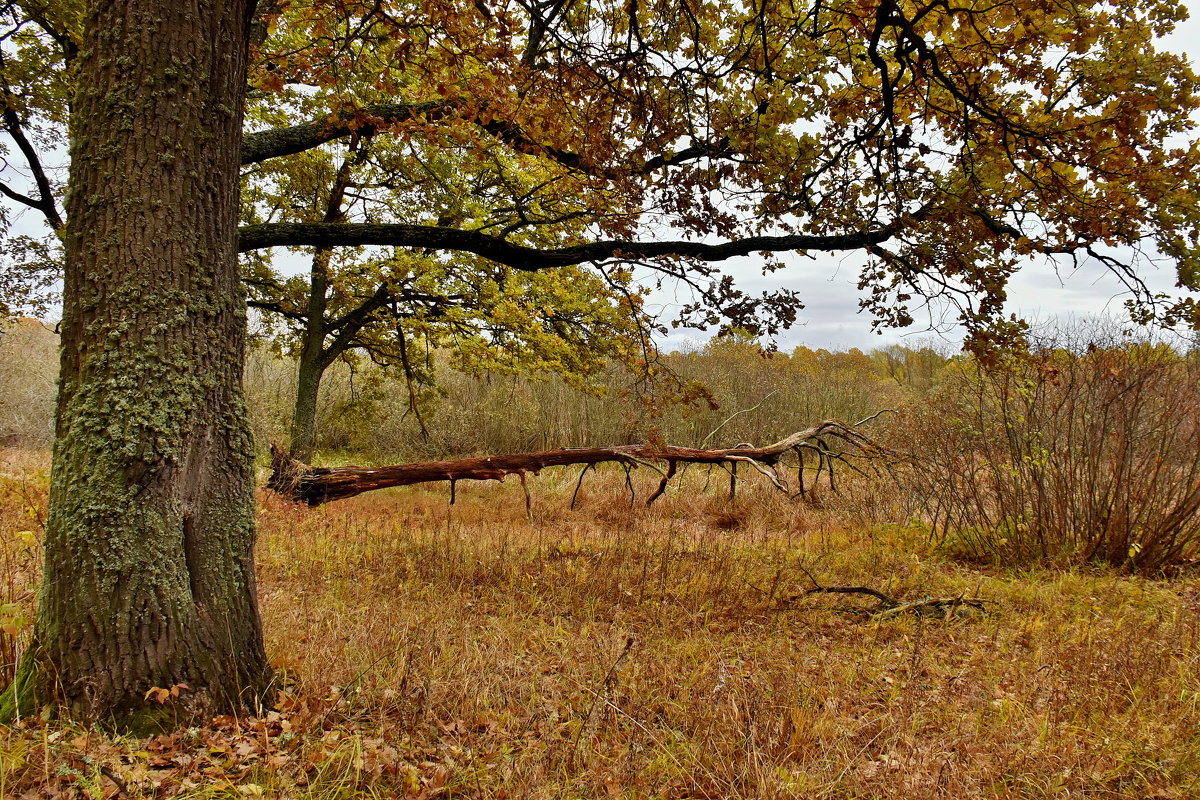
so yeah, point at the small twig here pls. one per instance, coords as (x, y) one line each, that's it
(106, 771)
(874, 416)
(602, 696)
(122, 787)
(811, 577)
(728, 419)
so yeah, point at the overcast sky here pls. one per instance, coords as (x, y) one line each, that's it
(831, 318)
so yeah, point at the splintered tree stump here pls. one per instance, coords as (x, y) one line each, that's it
(829, 442)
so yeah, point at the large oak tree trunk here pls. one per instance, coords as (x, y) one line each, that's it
(149, 578)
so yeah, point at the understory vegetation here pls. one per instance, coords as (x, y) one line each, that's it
(1050, 509)
(1090, 455)
(425, 650)
(366, 416)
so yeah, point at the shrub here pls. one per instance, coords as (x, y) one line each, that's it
(1091, 456)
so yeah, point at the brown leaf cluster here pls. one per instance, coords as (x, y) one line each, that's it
(305, 741)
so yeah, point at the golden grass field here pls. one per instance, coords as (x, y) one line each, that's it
(425, 650)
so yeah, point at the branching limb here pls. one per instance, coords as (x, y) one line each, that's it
(531, 259)
(662, 485)
(579, 483)
(45, 202)
(317, 485)
(943, 607)
(770, 475)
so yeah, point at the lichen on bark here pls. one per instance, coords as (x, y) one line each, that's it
(149, 578)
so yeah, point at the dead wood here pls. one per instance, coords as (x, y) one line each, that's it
(943, 607)
(830, 442)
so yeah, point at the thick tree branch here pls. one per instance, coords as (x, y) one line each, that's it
(264, 145)
(501, 251)
(351, 323)
(23, 199)
(45, 202)
(277, 308)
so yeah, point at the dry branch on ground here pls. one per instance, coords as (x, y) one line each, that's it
(829, 442)
(943, 607)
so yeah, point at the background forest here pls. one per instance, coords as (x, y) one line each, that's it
(1085, 448)
(365, 413)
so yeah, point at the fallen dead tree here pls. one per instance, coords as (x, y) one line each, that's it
(829, 443)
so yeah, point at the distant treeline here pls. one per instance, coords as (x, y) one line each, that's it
(749, 394)
(729, 389)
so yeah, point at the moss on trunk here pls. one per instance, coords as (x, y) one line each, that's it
(149, 578)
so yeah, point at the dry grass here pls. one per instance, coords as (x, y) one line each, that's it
(615, 651)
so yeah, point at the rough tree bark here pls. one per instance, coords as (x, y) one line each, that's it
(312, 361)
(149, 578)
(826, 442)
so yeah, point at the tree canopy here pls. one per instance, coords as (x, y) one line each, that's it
(399, 307)
(950, 143)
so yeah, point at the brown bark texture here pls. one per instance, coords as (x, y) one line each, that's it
(829, 442)
(149, 577)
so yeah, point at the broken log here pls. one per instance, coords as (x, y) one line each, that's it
(830, 440)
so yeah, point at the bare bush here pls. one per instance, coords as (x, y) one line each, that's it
(1089, 455)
